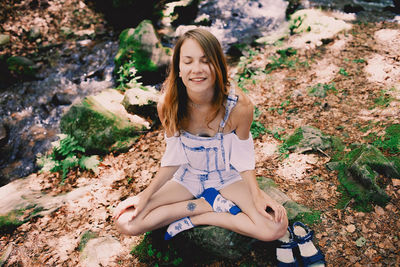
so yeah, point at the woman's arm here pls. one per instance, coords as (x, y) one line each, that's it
(242, 117)
(139, 201)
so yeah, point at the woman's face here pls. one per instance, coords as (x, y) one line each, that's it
(197, 74)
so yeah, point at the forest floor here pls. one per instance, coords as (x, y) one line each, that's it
(362, 69)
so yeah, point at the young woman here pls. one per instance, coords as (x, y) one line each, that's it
(207, 172)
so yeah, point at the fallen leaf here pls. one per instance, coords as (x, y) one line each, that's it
(361, 242)
(350, 228)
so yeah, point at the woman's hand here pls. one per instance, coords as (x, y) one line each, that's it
(262, 202)
(137, 203)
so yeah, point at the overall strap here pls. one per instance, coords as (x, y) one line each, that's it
(231, 102)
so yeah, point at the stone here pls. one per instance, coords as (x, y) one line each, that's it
(308, 138)
(21, 65)
(143, 45)
(100, 251)
(142, 101)
(3, 134)
(4, 39)
(359, 174)
(222, 243)
(101, 124)
(34, 33)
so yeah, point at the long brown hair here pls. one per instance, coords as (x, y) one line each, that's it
(174, 109)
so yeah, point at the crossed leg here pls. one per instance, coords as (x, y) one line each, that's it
(173, 202)
(249, 222)
(170, 203)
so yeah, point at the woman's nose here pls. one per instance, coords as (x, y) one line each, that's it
(196, 67)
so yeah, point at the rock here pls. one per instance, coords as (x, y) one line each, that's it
(143, 45)
(222, 243)
(21, 66)
(4, 39)
(100, 251)
(3, 134)
(311, 26)
(359, 174)
(34, 33)
(142, 102)
(308, 138)
(101, 124)
(66, 31)
(60, 99)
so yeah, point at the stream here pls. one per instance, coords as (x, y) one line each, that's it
(30, 111)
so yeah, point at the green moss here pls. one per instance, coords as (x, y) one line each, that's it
(391, 141)
(85, 239)
(308, 218)
(131, 50)
(94, 131)
(295, 138)
(155, 253)
(10, 222)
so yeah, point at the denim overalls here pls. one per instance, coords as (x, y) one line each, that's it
(207, 160)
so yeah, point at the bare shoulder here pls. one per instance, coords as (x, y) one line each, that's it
(242, 115)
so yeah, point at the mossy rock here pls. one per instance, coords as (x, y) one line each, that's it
(142, 45)
(308, 138)
(220, 243)
(101, 124)
(22, 66)
(142, 101)
(359, 174)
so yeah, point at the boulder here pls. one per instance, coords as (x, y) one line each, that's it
(4, 39)
(308, 138)
(359, 173)
(142, 101)
(100, 251)
(20, 65)
(142, 45)
(101, 124)
(222, 243)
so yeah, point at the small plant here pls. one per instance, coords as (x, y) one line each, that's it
(343, 72)
(383, 99)
(320, 90)
(146, 253)
(257, 128)
(359, 60)
(286, 59)
(127, 76)
(246, 73)
(67, 155)
(296, 23)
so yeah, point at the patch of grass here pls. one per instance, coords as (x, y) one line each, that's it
(286, 59)
(343, 72)
(308, 218)
(359, 60)
(390, 142)
(321, 90)
(257, 128)
(149, 254)
(383, 99)
(9, 223)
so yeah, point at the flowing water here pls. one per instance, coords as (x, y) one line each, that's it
(30, 112)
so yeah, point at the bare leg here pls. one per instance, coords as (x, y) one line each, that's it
(249, 222)
(168, 204)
